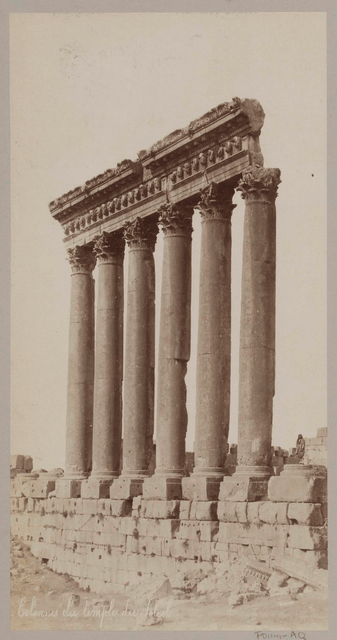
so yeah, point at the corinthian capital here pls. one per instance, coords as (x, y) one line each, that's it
(258, 182)
(175, 218)
(109, 246)
(216, 202)
(81, 259)
(141, 233)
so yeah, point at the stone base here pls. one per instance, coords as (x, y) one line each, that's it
(197, 487)
(68, 488)
(162, 488)
(299, 483)
(241, 488)
(126, 488)
(95, 488)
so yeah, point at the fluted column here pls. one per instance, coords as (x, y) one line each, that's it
(214, 344)
(258, 187)
(80, 372)
(139, 359)
(107, 424)
(174, 353)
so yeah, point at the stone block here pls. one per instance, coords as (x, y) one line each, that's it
(28, 463)
(253, 512)
(192, 530)
(241, 511)
(128, 526)
(203, 510)
(161, 488)
(120, 508)
(185, 509)
(305, 513)
(66, 488)
(197, 487)
(297, 489)
(306, 537)
(90, 506)
(95, 488)
(160, 509)
(150, 546)
(268, 512)
(259, 534)
(17, 462)
(299, 570)
(227, 511)
(243, 489)
(126, 488)
(41, 487)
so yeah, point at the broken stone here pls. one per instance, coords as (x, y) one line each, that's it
(295, 586)
(277, 579)
(235, 600)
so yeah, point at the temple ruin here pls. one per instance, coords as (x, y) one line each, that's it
(106, 526)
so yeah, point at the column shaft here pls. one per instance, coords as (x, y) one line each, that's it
(107, 423)
(80, 371)
(174, 353)
(214, 344)
(257, 338)
(139, 359)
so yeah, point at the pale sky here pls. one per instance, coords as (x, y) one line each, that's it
(87, 91)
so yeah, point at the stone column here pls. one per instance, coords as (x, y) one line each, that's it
(80, 373)
(107, 424)
(257, 338)
(174, 353)
(214, 345)
(139, 359)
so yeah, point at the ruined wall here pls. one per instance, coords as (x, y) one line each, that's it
(107, 544)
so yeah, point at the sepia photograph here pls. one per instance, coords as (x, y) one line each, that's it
(168, 432)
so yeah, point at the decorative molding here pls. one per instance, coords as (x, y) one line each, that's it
(174, 218)
(216, 203)
(141, 233)
(258, 182)
(81, 259)
(109, 247)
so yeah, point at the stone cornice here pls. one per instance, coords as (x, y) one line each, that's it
(81, 259)
(175, 218)
(259, 183)
(141, 233)
(216, 203)
(207, 141)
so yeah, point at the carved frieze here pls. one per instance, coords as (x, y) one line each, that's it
(216, 203)
(174, 218)
(141, 233)
(259, 183)
(81, 259)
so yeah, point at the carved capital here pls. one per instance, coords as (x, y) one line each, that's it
(141, 233)
(81, 259)
(258, 183)
(216, 203)
(109, 247)
(175, 218)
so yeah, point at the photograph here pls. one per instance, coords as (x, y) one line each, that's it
(168, 429)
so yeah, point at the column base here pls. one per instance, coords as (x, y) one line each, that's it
(96, 487)
(201, 487)
(247, 484)
(68, 487)
(160, 487)
(299, 483)
(127, 488)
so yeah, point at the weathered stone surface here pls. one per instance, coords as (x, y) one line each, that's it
(243, 488)
(174, 353)
(305, 513)
(257, 326)
(204, 488)
(202, 510)
(139, 356)
(302, 537)
(107, 420)
(66, 488)
(28, 463)
(95, 488)
(126, 488)
(299, 569)
(297, 489)
(80, 364)
(214, 334)
(273, 513)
